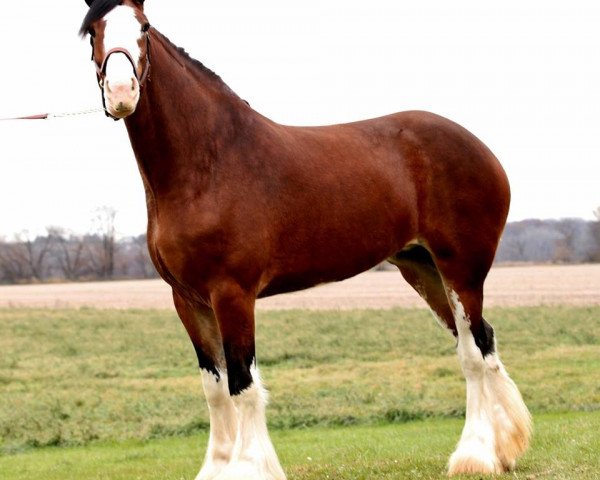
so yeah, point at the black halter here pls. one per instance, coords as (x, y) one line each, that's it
(101, 69)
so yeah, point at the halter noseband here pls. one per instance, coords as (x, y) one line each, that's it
(101, 70)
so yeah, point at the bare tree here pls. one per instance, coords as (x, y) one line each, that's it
(513, 245)
(139, 259)
(25, 258)
(575, 244)
(13, 266)
(103, 252)
(69, 254)
(595, 234)
(36, 250)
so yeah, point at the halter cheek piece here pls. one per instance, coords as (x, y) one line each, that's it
(101, 70)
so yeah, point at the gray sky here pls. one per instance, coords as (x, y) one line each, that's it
(522, 75)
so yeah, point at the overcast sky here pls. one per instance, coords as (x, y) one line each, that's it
(523, 76)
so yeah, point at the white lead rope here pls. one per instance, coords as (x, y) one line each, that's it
(47, 116)
(89, 111)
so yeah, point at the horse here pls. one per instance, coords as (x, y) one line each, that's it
(240, 207)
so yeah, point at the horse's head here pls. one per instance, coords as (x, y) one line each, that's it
(118, 31)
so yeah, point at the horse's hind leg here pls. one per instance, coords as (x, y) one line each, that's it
(203, 330)
(498, 425)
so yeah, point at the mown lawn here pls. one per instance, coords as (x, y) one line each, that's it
(565, 447)
(75, 377)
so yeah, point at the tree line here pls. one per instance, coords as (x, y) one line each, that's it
(569, 240)
(62, 256)
(58, 256)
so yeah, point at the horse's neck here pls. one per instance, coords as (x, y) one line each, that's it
(186, 115)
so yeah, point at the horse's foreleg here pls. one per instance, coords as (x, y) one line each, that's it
(498, 424)
(203, 330)
(223, 425)
(254, 456)
(254, 445)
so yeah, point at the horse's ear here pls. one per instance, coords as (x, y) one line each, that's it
(89, 2)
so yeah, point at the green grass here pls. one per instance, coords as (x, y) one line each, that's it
(74, 377)
(565, 447)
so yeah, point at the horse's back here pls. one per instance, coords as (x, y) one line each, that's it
(418, 141)
(423, 165)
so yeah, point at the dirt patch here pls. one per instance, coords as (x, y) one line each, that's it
(506, 286)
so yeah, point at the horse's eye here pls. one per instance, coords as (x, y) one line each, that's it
(145, 27)
(92, 32)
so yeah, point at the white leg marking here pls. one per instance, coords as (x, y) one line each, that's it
(254, 456)
(498, 424)
(475, 452)
(512, 420)
(223, 425)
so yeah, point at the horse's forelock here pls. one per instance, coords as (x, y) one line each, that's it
(98, 9)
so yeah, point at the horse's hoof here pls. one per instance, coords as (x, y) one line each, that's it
(473, 459)
(241, 471)
(211, 470)
(471, 465)
(509, 465)
(209, 473)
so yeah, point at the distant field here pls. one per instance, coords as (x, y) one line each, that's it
(506, 286)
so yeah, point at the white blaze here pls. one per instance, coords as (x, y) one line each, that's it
(121, 89)
(122, 31)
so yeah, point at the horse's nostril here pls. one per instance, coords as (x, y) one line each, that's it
(133, 84)
(107, 86)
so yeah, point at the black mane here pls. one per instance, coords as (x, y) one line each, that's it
(191, 60)
(98, 10)
(197, 65)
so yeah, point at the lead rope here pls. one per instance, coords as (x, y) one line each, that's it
(47, 116)
(99, 72)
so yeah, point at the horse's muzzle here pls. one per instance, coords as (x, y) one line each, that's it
(121, 98)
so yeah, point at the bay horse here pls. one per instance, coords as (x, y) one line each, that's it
(240, 207)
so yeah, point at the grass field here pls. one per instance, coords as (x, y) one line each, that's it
(566, 447)
(71, 378)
